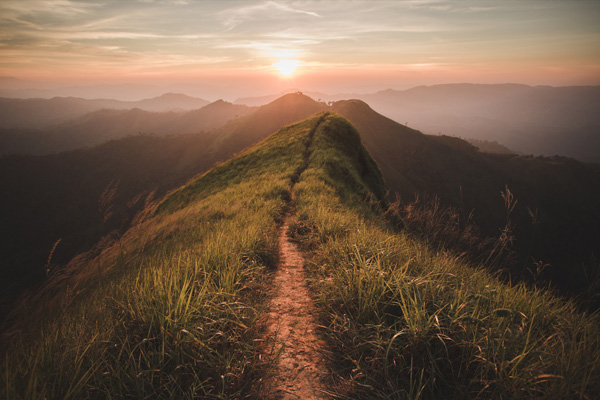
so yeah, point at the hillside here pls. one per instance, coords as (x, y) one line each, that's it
(216, 259)
(561, 193)
(58, 196)
(173, 307)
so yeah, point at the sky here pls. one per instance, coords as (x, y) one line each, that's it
(241, 47)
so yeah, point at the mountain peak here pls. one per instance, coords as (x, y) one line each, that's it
(294, 98)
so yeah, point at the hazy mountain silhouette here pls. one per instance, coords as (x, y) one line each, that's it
(169, 102)
(538, 120)
(106, 124)
(245, 131)
(531, 120)
(207, 118)
(43, 113)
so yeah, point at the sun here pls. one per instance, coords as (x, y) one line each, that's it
(286, 67)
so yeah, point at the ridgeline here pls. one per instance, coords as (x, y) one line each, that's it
(173, 307)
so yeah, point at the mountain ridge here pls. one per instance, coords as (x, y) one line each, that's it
(17, 113)
(172, 307)
(99, 126)
(539, 120)
(413, 164)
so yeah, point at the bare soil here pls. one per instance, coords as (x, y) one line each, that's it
(297, 353)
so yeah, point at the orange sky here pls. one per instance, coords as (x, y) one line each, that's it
(230, 47)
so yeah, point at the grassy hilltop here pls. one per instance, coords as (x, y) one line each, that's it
(171, 308)
(56, 196)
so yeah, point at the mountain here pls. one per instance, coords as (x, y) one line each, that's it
(44, 113)
(538, 120)
(260, 100)
(207, 118)
(414, 164)
(70, 184)
(174, 307)
(169, 102)
(106, 124)
(247, 130)
(263, 100)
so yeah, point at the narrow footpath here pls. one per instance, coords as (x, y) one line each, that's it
(299, 365)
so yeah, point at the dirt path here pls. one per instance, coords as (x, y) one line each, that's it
(297, 352)
(300, 367)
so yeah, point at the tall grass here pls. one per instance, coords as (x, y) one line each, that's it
(170, 309)
(406, 320)
(446, 227)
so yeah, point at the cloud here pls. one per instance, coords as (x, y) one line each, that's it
(269, 10)
(237, 34)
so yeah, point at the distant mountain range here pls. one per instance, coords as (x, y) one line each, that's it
(99, 126)
(538, 120)
(43, 113)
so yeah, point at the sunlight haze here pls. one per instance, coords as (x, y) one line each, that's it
(204, 47)
(316, 199)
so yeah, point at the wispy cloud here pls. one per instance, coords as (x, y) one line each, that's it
(238, 34)
(234, 16)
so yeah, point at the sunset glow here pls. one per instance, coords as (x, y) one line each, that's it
(343, 46)
(286, 67)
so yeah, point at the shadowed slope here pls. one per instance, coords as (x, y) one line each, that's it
(561, 193)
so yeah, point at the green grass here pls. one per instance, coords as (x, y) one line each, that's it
(170, 309)
(405, 320)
